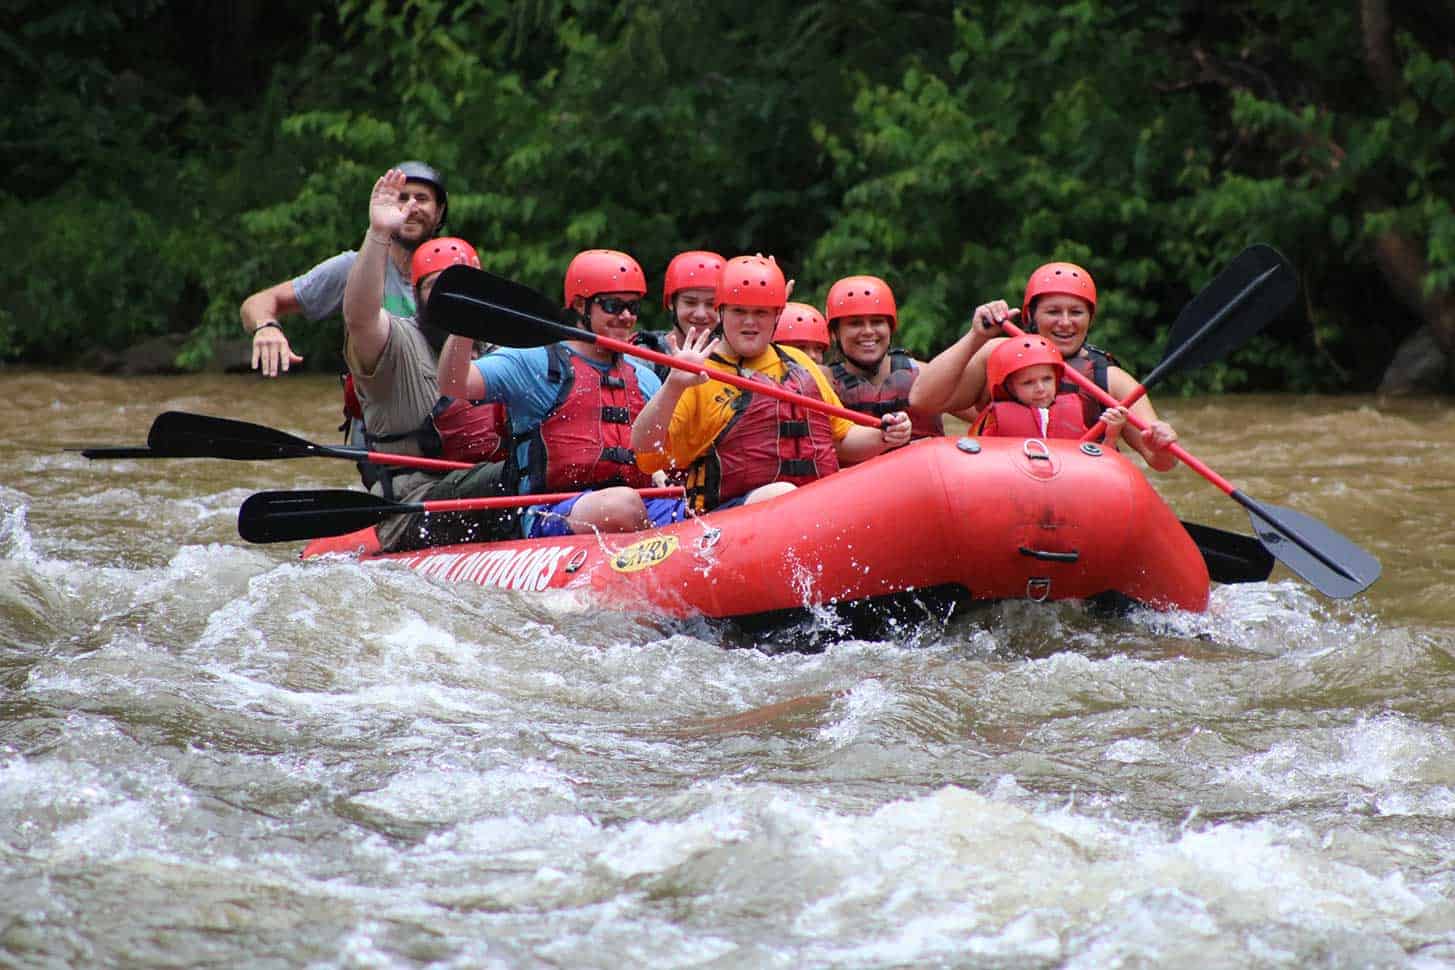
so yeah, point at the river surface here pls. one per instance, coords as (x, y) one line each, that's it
(213, 754)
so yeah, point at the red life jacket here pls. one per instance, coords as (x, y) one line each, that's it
(860, 395)
(455, 430)
(1011, 419)
(585, 439)
(766, 440)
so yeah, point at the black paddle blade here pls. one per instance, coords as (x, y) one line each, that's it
(121, 452)
(297, 516)
(480, 305)
(1327, 561)
(180, 434)
(1230, 556)
(1244, 298)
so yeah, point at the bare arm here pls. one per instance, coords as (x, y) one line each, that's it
(861, 443)
(364, 315)
(1151, 444)
(955, 378)
(458, 376)
(271, 352)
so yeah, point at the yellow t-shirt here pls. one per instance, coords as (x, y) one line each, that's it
(704, 410)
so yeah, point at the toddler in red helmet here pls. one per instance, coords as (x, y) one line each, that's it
(1024, 375)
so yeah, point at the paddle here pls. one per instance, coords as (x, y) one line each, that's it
(1257, 286)
(127, 451)
(1231, 557)
(293, 516)
(181, 434)
(1328, 561)
(480, 305)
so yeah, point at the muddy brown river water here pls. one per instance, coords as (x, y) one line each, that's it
(213, 754)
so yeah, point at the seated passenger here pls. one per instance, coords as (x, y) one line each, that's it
(871, 376)
(1025, 375)
(688, 287)
(742, 447)
(1060, 305)
(802, 326)
(572, 405)
(392, 361)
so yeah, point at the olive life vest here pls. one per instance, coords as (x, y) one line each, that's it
(861, 395)
(584, 441)
(455, 430)
(766, 440)
(1012, 419)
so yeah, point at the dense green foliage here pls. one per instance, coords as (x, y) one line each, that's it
(165, 164)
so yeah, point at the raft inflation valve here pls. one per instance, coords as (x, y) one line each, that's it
(968, 445)
(1091, 448)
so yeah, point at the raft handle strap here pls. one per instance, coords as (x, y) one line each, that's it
(1043, 554)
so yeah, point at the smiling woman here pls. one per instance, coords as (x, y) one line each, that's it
(1060, 305)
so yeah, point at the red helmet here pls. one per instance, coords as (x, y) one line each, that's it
(603, 271)
(862, 296)
(691, 270)
(436, 254)
(1018, 353)
(751, 281)
(802, 323)
(1066, 279)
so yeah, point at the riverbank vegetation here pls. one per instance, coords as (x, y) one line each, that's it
(168, 159)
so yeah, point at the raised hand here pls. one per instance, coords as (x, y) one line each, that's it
(387, 207)
(699, 345)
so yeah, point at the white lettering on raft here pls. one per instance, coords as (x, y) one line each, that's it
(523, 569)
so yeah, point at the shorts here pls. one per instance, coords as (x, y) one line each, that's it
(544, 521)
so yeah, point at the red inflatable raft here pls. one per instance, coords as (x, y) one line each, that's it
(974, 519)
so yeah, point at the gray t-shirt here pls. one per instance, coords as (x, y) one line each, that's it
(397, 394)
(320, 291)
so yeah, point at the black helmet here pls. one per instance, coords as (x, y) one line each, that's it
(421, 172)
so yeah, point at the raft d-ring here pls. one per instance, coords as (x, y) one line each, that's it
(1041, 451)
(577, 560)
(1038, 588)
(1091, 448)
(708, 539)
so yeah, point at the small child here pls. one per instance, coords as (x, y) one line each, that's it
(1024, 375)
(802, 326)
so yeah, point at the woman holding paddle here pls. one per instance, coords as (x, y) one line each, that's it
(1060, 304)
(742, 447)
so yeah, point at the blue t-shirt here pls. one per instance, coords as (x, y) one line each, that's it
(520, 379)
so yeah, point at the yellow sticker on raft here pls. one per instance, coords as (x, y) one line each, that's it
(644, 554)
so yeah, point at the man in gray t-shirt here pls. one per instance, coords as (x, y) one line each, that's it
(319, 292)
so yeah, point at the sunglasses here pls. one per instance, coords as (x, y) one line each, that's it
(614, 305)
